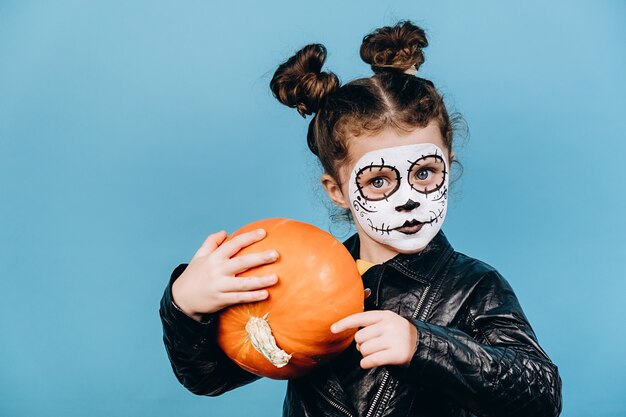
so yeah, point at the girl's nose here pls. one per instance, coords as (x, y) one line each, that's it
(408, 206)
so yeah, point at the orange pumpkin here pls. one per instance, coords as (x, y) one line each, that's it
(288, 334)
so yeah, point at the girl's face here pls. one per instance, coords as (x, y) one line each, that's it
(395, 186)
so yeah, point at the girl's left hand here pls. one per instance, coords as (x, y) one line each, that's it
(385, 338)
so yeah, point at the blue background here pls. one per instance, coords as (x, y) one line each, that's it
(131, 130)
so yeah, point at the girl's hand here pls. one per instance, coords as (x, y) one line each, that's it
(385, 338)
(209, 282)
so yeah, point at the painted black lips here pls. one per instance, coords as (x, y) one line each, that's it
(410, 227)
(411, 223)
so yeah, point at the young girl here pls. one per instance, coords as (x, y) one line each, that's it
(442, 333)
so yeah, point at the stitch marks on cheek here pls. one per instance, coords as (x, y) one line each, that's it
(382, 229)
(436, 216)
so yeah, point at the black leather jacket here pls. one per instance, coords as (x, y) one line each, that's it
(476, 355)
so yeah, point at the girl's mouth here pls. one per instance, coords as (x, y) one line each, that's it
(410, 227)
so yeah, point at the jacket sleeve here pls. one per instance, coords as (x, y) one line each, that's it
(497, 370)
(197, 361)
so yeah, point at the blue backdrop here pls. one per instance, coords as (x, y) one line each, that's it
(130, 130)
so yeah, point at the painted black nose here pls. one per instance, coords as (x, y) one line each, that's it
(408, 206)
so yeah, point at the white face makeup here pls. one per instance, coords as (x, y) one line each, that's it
(399, 195)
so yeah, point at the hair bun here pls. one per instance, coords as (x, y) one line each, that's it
(394, 48)
(300, 83)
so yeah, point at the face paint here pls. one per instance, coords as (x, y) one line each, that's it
(400, 195)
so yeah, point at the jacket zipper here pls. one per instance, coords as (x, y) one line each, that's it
(386, 372)
(419, 305)
(338, 406)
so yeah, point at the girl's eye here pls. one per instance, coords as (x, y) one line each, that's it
(378, 182)
(427, 174)
(423, 174)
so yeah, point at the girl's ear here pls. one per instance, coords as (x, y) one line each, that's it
(334, 191)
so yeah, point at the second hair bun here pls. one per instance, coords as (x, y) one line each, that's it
(394, 48)
(300, 83)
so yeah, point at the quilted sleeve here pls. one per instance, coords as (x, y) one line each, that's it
(497, 370)
(196, 359)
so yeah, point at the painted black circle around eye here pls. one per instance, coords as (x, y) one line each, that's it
(361, 180)
(436, 165)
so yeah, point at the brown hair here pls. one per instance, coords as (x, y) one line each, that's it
(389, 98)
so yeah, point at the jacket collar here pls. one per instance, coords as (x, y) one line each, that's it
(422, 266)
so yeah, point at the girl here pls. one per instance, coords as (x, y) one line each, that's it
(442, 333)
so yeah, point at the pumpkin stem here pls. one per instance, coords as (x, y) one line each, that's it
(260, 334)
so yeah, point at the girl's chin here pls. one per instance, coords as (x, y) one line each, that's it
(410, 251)
(375, 251)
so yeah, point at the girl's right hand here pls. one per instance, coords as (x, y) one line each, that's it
(209, 283)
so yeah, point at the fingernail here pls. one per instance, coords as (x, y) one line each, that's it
(272, 255)
(260, 232)
(333, 328)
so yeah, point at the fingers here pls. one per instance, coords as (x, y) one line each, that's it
(367, 333)
(382, 357)
(354, 321)
(230, 298)
(230, 248)
(244, 262)
(210, 244)
(239, 290)
(240, 284)
(211, 284)
(372, 346)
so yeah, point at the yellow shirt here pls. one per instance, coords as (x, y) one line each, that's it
(363, 266)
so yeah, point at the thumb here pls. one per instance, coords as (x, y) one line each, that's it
(210, 244)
